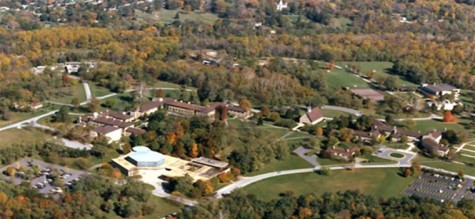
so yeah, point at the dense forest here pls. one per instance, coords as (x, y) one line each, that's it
(349, 204)
(93, 196)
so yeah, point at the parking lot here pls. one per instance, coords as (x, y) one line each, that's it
(441, 187)
(46, 177)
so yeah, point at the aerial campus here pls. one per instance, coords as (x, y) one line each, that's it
(237, 109)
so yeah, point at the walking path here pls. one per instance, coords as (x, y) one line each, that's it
(343, 109)
(87, 89)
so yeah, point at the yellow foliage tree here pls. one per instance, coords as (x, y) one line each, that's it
(194, 150)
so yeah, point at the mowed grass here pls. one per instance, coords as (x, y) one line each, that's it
(333, 113)
(98, 91)
(68, 93)
(382, 70)
(169, 16)
(338, 78)
(19, 116)
(22, 136)
(430, 125)
(383, 183)
(163, 207)
(292, 162)
(454, 167)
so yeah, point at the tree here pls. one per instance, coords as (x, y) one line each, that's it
(159, 93)
(245, 104)
(94, 104)
(62, 115)
(10, 171)
(75, 102)
(222, 112)
(370, 74)
(265, 111)
(448, 116)
(109, 103)
(392, 83)
(194, 150)
(407, 172)
(319, 131)
(461, 174)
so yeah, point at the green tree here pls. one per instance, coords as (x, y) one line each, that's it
(62, 115)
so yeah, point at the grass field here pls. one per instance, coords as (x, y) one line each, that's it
(382, 70)
(333, 113)
(454, 167)
(338, 78)
(22, 136)
(292, 162)
(169, 16)
(98, 91)
(429, 125)
(18, 116)
(378, 182)
(65, 95)
(466, 97)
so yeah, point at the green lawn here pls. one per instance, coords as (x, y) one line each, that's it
(382, 70)
(466, 97)
(292, 162)
(338, 78)
(429, 125)
(65, 95)
(383, 183)
(169, 16)
(454, 167)
(98, 91)
(333, 113)
(17, 117)
(22, 136)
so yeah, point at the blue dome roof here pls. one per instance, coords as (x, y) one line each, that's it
(144, 154)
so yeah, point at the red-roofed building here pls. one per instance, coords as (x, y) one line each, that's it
(311, 117)
(368, 93)
(346, 154)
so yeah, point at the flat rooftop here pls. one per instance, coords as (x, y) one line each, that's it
(368, 93)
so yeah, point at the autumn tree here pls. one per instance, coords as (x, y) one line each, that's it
(319, 131)
(448, 117)
(245, 104)
(407, 172)
(194, 150)
(159, 93)
(265, 111)
(94, 105)
(10, 171)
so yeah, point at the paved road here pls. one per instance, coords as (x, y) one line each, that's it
(343, 109)
(87, 89)
(28, 121)
(301, 151)
(244, 181)
(431, 117)
(405, 161)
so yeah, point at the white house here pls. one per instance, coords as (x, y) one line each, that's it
(312, 116)
(281, 6)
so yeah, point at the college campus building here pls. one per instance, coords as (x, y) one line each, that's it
(438, 90)
(142, 159)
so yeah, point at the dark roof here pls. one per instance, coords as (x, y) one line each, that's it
(381, 126)
(433, 89)
(314, 114)
(189, 106)
(374, 133)
(105, 129)
(236, 109)
(135, 131)
(116, 115)
(144, 107)
(431, 143)
(400, 132)
(112, 122)
(347, 152)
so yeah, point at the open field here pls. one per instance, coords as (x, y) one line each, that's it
(19, 116)
(429, 125)
(466, 97)
(382, 70)
(338, 78)
(454, 167)
(65, 95)
(162, 207)
(169, 16)
(378, 182)
(292, 162)
(22, 136)
(98, 91)
(333, 113)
